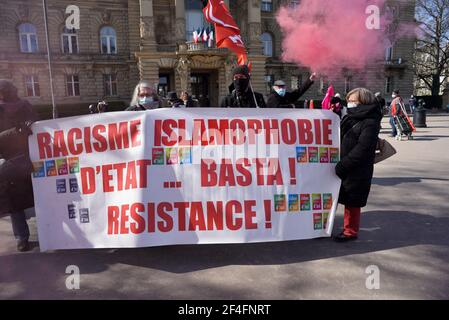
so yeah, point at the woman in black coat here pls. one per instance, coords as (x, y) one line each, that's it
(16, 192)
(359, 131)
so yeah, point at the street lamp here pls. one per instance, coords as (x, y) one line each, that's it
(55, 111)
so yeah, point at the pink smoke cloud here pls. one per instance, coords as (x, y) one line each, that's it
(329, 35)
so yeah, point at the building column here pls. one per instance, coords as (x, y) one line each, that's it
(180, 21)
(182, 72)
(254, 27)
(147, 33)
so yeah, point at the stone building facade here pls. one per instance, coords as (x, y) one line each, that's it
(122, 41)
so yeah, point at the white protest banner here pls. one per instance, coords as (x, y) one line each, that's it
(185, 176)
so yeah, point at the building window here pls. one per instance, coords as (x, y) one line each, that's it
(324, 85)
(348, 81)
(294, 82)
(73, 85)
(28, 38)
(108, 39)
(269, 80)
(69, 41)
(110, 84)
(164, 85)
(32, 86)
(389, 54)
(267, 6)
(388, 84)
(195, 20)
(267, 41)
(294, 3)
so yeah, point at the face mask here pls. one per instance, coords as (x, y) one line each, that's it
(281, 91)
(352, 105)
(241, 85)
(393, 96)
(146, 101)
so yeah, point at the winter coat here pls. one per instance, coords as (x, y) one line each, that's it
(190, 103)
(15, 172)
(276, 101)
(246, 101)
(359, 132)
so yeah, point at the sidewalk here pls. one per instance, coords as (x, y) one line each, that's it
(405, 233)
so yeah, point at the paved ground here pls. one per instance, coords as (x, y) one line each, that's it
(405, 232)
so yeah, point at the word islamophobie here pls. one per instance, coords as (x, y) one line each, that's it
(238, 131)
(100, 138)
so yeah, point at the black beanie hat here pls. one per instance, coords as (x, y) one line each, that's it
(241, 70)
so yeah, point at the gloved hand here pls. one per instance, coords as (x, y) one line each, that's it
(25, 127)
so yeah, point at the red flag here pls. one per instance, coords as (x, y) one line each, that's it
(227, 33)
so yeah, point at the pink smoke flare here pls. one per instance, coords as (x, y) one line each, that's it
(329, 35)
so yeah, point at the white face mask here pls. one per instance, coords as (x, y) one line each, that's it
(352, 105)
(394, 96)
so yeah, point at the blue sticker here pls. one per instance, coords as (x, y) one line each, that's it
(73, 185)
(61, 186)
(72, 211)
(84, 215)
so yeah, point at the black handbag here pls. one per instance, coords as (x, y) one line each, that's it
(384, 150)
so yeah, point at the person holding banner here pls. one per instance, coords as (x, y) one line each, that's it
(16, 193)
(243, 96)
(144, 98)
(359, 132)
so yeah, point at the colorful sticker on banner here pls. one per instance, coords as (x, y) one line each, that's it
(171, 154)
(185, 155)
(305, 202)
(158, 156)
(63, 169)
(293, 202)
(324, 155)
(84, 215)
(280, 203)
(61, 186)
(327, 201)
(73, 185)
(38, 169)
(317, 221)
(313, 155)
(72, 211)
(301, 154)
(50, 168)
(316, 201)
(325, 219)
(74, 165)
(334, 155)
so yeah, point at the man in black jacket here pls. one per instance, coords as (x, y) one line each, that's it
(243, 96)
(280, 98)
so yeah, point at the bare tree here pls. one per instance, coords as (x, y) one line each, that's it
(431, 60)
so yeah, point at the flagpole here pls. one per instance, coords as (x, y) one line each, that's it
(55, 110)
(254, 96)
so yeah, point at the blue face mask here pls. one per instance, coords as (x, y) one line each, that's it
(146, 101)
(281, 91)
